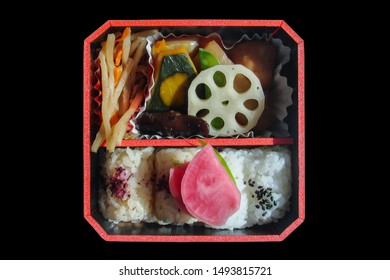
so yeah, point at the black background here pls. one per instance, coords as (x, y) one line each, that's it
(342, 202)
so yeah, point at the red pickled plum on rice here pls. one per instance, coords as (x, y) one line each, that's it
(208, 192)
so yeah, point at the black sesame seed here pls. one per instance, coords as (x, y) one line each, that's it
(272, 198)
(262, 207)
(253, 195)
(265, 213)
(270, 189)
(257, 206)
(244, 182)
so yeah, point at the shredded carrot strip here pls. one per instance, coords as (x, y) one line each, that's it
(134, 104)
(118, 58)
(117, 74)
(114, 119)
(120, 127)
(125, 33)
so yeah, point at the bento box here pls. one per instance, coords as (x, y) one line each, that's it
(185, 70)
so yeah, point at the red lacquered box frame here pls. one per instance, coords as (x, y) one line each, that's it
(298, 139)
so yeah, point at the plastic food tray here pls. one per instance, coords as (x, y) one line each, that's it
(293, 70)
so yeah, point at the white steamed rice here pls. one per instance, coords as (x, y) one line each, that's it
(268, 169)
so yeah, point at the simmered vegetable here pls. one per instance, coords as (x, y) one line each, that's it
(218, 52)
(174, 73)
(173, 90)
(261, 58)
(207, 59)
(258, 56)
(190, 44)
(228, 109)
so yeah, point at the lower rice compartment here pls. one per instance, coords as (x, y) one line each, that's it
(147, 229)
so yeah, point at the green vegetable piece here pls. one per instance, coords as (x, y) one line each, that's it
(222, 160)
(207, 59)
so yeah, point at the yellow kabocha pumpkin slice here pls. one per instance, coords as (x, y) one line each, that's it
(174, 71)
(173, 90)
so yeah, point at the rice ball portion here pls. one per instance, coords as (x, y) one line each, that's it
(267, 175)
(263, 176)
(126, 190)
(165, 208)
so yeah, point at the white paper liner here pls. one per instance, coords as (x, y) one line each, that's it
(279, 94)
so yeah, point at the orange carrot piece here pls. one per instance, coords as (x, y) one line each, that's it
(118, 57)
(117, 74)
(125, 33)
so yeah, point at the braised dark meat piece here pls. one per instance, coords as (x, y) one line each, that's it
(171, 123)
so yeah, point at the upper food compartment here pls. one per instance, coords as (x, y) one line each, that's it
(215, 81)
